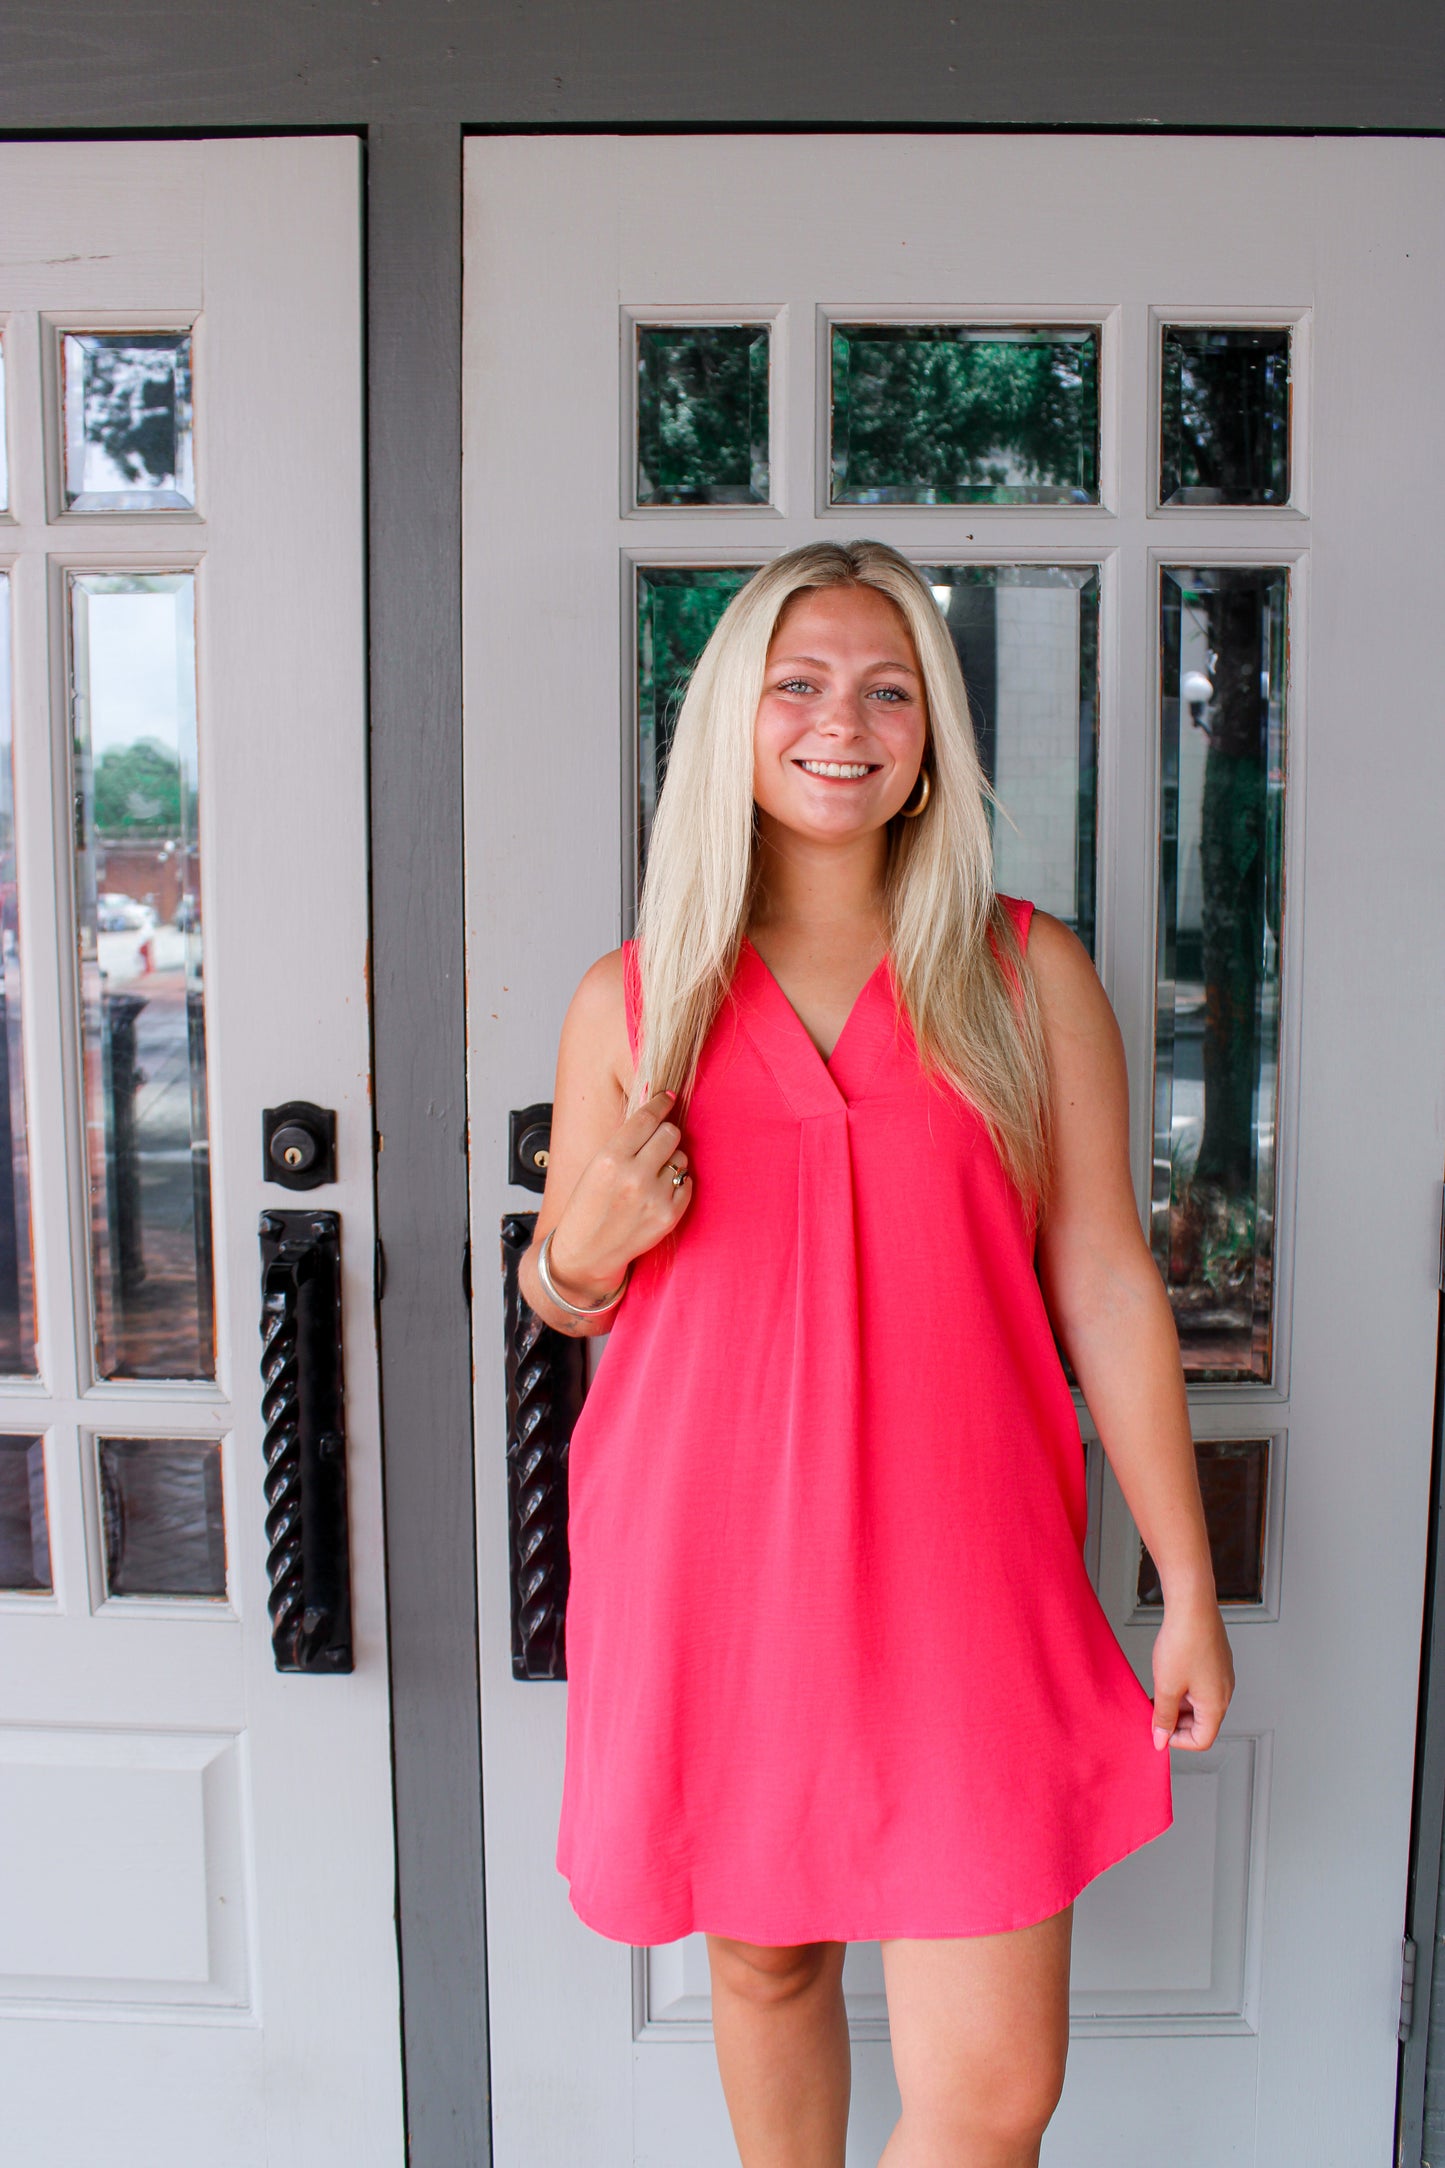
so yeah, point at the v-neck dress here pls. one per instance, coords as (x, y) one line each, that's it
(836, 1669)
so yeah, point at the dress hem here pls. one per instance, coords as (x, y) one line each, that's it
(790, 1933)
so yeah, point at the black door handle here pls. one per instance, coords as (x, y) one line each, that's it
(546, 1380)
(308, 1557)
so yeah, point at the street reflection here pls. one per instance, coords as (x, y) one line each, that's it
(138, 889)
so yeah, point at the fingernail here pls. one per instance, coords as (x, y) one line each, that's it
(1161, 1736)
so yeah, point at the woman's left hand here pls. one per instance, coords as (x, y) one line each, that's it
(1193, 1674)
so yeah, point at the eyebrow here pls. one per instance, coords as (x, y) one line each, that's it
(814, 662)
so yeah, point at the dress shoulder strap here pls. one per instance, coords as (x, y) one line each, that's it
(1021, 912)
(632, 991)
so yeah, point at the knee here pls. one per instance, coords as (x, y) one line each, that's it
(1003, 2109)
(766, 1973)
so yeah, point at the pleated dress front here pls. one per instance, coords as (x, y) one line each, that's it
(836, 1669)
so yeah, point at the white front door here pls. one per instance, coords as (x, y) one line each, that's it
(197, 1947)
(1161, 419)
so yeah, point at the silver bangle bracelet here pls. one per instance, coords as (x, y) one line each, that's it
(574, 1309)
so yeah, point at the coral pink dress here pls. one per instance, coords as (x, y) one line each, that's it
(836, 1669)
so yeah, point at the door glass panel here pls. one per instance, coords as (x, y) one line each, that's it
(24, 1527)
(1225, 397)
(17, 1276)
(162, 1519)
(1222, 728)
(702, 414)
(963, 414)
(126, 401)
(1234, 1483)
(1027, 637)
(677, 608)
(137, 869)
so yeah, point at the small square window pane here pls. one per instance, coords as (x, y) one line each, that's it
(1234, 1484)
(127, 419)
(964, 414)
(162, 1519)
(1224, 401)
(702, 414)
(24, 1527)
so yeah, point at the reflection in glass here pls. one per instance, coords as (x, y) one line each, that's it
(138, 895)
(1027, 638)
(677, 608)
(702, 414)
(161, 1516)
(1225, 408)
(126, 398)
(1221, 871)
(17, 1281)
(963, 414)
(1234, 1483)
(24, 1529)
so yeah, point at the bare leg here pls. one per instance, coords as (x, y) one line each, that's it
(781, 2032)
(980, 2032)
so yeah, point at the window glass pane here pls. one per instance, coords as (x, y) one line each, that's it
(126, 397)
(1225, 408)
(138, 897)
(1222, 720)
(963, 414)
(1234, 1483)
(17, 1282)
(1027, 638)
(162, 1518)
(702, 414)
(4, 439)
(24, 1529)
(677, 608)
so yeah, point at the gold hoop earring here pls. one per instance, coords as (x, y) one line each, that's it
(911, 812)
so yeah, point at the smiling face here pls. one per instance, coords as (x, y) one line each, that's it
(843, 720)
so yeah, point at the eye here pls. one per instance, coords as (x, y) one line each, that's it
(895, 692)
(794, 685)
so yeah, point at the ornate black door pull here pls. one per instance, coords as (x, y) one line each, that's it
(546, 1380)
(308, 1553)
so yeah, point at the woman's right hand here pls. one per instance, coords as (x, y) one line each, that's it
(623, 1203)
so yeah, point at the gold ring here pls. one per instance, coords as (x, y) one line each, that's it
(679, 1175)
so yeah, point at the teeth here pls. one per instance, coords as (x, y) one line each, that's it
(835, 767)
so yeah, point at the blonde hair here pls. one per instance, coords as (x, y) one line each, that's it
(972, 1004)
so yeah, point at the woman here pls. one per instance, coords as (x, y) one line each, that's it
(839, 1151)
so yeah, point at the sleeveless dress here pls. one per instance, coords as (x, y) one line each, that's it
(836, 1669)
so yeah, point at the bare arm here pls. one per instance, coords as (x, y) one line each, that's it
(608, 1194)
(1111, 1313)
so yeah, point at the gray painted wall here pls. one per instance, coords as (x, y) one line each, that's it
(1264, 64)
(412, 74)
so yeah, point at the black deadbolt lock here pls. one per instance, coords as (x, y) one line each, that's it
(529, 1143)
(298, 1145)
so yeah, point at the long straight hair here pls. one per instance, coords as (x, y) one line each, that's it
(962, 977)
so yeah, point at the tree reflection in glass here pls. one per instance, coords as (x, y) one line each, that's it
(964, 414)
(137, 871)
(127, 420)
(1222, 713)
